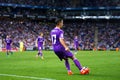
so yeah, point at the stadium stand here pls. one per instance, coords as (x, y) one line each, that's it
(66, 3)
(23, 22)
(108, 34)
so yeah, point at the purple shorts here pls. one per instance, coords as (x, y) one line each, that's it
(62, 53)
(8, 47)
(76, 46)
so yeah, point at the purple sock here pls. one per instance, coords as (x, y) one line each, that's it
(67, 65)
(77, 63)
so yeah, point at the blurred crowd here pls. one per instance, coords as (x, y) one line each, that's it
(65, 3)
(91, 35)
(108, 34)
(18, 31)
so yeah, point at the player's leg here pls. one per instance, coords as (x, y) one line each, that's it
(68, 67)
(77, 63)
(83, 70)
(10, 51)
(61, 55)
(38, 54)
(75, 60)
(41, 54)
(69, 54)
(75, 49)
(7, 52)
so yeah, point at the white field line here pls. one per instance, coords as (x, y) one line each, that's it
(29, 77)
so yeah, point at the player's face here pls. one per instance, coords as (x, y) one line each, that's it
(8, 36)
(76, 37)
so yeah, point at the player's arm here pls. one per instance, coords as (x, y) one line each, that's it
(63, 42)
(11, 43)
(43, 43)
(4, 42)
(36, 43)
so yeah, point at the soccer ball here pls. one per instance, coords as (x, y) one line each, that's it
(85, 70)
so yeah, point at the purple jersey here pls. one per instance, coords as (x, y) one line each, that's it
(56, 33)
(40, 41)
(58, 48)
(8, 42)
(76, 42)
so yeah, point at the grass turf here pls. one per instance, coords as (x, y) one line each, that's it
(104, 65)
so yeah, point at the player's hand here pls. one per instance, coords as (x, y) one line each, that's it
(67, 49)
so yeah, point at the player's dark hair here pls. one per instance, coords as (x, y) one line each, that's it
(58, 20)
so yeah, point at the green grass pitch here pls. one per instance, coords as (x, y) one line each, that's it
(104, 65)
